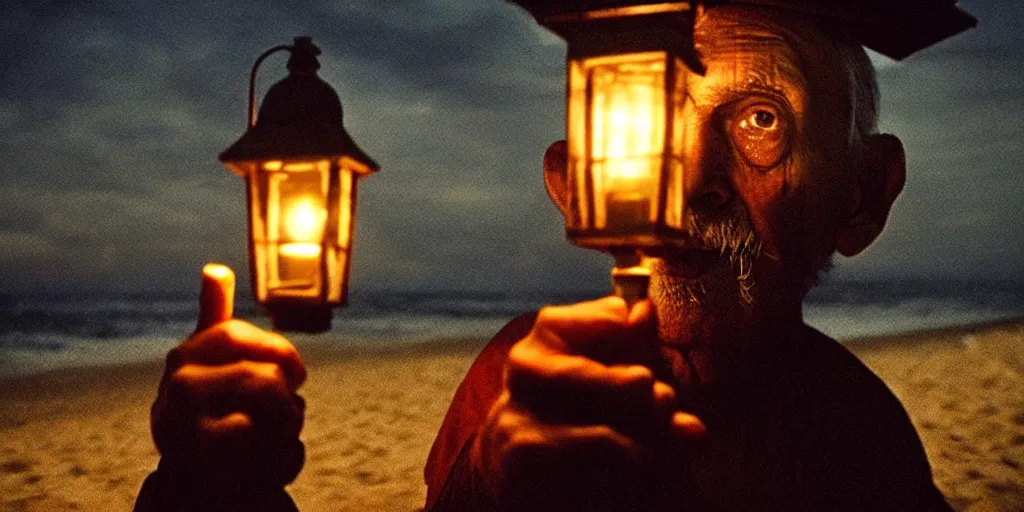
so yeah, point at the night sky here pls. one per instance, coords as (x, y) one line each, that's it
(113, 114)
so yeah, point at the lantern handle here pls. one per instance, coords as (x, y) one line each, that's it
(252, 80)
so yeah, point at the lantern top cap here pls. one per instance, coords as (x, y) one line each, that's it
(304, 53)
(895, 29)
(300, 117)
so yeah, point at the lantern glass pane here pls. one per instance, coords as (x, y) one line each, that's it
(580, 206)
(338, 242)
(256, 183)
(674, 196)
(295, 197)
(624, 141)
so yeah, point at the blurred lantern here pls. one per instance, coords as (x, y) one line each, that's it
(627, 67)
(301, 169)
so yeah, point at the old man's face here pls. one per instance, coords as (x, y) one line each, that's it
(771, 146)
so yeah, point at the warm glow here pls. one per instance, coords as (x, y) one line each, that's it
(304, 220)
(629, 130)
(273, 165)
(627, 125)
(296, 215)
(300, 250)
(620, 12)
(302, 166)
(628, 116)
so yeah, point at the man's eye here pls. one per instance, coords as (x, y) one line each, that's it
(761, 136)
(763, 119)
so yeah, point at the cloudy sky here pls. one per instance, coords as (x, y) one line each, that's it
(113, 112)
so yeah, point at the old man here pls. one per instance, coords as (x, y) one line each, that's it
(714, 394)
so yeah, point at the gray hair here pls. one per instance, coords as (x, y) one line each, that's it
(865, 86)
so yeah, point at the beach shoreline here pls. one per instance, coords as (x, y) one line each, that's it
(79, 439)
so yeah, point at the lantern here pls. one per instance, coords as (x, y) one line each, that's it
(301, 169)
(627, 64)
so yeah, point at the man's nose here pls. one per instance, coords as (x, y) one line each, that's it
(708, 188)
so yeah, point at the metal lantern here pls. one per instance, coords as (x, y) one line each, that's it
(301, 170)
(627, 64)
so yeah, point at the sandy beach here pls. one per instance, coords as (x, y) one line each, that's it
(79, 440)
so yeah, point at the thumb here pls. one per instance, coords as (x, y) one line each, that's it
(217, 296)
(642, 327)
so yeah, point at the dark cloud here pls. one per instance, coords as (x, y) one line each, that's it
(118, 108)
(114, 113)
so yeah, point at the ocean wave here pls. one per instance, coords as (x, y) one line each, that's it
(104, 317)
(65, 329)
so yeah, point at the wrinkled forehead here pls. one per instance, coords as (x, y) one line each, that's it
(760, 46)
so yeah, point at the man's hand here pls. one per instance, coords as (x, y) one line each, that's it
(582, 424)
(227, 412)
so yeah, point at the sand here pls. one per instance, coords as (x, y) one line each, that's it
(964, 390)
(79, 440)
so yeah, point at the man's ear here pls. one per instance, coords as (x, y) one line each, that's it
(882, 175)
(556, 179)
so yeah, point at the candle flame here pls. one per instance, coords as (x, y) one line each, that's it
(304, 221)
(630, 135)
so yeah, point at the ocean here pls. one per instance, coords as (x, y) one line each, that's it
(41, 333)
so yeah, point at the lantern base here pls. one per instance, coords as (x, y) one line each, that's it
(629, 277)
(307, 319)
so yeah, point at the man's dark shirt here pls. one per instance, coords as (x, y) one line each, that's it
(810, 428)
(170, 489)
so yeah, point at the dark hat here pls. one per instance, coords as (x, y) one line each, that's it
(895, 28)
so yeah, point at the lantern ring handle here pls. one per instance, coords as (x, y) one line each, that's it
(252, 79)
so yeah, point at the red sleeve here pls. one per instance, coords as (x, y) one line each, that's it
(468, 410)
